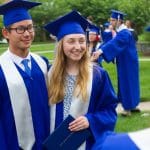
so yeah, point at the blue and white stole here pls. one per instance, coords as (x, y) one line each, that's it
(17, 89)
(78, 106)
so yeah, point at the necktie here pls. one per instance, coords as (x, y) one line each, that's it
(26, 66)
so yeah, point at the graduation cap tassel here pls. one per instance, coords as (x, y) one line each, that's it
(100, 32)
(87, 36)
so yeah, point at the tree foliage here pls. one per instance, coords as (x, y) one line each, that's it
(136, 10)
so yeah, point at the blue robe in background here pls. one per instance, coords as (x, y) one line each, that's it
(123, 48)
(137, 140)
(37, 92)
(106, 36)
(101, 112)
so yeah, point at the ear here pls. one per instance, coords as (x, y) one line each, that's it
(5, 33)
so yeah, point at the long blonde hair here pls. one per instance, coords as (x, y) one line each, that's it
(58, 73)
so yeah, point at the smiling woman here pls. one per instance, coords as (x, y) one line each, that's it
(77, 86)
(74, 47)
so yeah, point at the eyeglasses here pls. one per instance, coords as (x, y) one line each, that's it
(22, 29)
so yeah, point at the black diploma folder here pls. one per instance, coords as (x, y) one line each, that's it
(63, 139)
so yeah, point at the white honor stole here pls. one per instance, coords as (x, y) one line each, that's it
(141, 138)
(20, 99)
(78, 106)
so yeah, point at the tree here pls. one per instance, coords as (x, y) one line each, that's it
(48, 11)
(136, 10)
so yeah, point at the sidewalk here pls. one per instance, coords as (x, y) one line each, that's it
(143, 106)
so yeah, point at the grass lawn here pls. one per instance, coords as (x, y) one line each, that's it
(144, 78)
(135, 122)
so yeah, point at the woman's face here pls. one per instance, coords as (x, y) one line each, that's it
(92, 36)
(74, 46)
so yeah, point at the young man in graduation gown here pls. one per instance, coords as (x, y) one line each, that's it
(24, 111)
(123, 48)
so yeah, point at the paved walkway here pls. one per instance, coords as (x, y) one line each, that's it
(143, 106)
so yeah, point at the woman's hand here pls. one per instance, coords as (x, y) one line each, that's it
(79, 123)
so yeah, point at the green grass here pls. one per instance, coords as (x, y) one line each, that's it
(37, 48)
(42, 47)
(135, 122)
(144, 78)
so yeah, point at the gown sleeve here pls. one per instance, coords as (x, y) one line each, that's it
(102, 115)
(115, 46)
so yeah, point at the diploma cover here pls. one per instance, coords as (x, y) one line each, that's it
(62, 138)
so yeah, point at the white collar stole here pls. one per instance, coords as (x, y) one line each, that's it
(19, 97)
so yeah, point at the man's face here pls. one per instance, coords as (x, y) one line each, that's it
(20, 35)
(113, 22)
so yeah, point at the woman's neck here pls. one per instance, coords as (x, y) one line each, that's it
(72, 68)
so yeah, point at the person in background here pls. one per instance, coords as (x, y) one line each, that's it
(123, 48)
(130, 25)
(90, 19)
(94, 38)
(148, 29)
(24, 110)
(77, 86)
(94, 41)
(107, 34)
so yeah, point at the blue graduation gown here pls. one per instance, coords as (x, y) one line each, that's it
(114, 141)
(101, 112)
(106, 36)
(123, 48)
(37, 91)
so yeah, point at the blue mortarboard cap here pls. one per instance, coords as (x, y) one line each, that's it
(94, 28)
(16, 10)
(148, 29)
(71, 23)
(106, 24)
(117, 14)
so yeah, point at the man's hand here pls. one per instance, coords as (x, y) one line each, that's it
(95, 55)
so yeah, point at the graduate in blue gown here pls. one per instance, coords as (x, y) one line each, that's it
(24, 110)
(94, 38)
(123, 48)
(77, 87)
(137, 140)
(94, 41)
(107, 33)
(148, 29)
